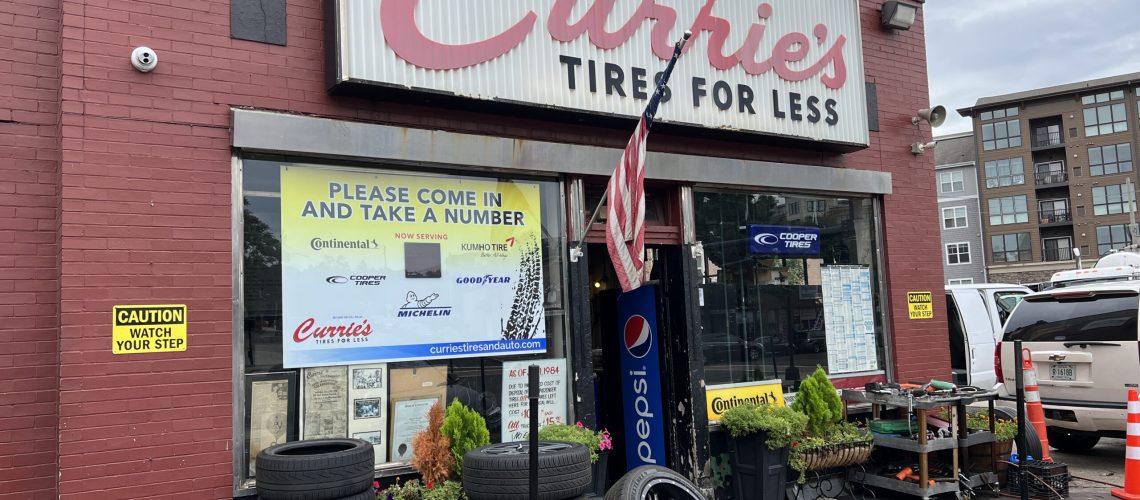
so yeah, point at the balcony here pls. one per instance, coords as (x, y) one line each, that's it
(1058, 254)
(1051, 178)
(1056, 217)
(1047, 138)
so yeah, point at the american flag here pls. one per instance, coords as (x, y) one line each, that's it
(625, 203)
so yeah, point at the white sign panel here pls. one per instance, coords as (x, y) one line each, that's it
(789, 68)
(516, 401)
(850, 318)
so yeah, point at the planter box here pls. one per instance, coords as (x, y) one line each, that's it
(758, 472)
(981, 460)
(600, 473)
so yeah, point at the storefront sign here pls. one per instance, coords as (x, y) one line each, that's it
(720, 398)
(149, 328)
(779, 67)
(783, 240)
(516, 396)
(385, 267)
(920, 305)
(641, 378)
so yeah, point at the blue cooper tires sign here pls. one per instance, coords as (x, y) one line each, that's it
(641, 379)
(783, 240)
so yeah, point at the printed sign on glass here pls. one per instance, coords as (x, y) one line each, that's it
(380, 267)
(783, 240)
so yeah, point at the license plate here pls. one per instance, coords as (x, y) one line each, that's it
(1062, 371)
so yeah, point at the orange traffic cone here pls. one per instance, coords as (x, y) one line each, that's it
(1033, 410)
(1131, 489)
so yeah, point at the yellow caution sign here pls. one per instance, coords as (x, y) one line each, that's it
(150, 328)
(720, 398)
(920, 305)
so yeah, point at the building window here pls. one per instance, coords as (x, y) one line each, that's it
(958, 253)
(765, 312)
(793, 208)
(999, 113)
(1001, 135)
(1011, 247)
(1111, 199)
(954, 218)
(1103, 97)
(476, 382)
(1005, 172)
(1054, 211)
(951, 182)
(1110, 159)
(1107, 119)
(1057, 249)
(1008, 210)
(1052, 172)
(817, 206)
(1112, 237)
(960, 281)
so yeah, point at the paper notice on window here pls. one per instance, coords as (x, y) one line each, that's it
(325, 396)
(409, 417)
(849, 316)
(268, 417)
(516, 401)
(368, 400)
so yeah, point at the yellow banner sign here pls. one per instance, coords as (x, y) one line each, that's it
(920, 305)
(720, 398)
(148, 328)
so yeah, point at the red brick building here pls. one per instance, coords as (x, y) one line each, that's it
(121, 187)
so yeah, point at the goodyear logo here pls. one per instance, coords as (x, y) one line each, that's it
(148, 328)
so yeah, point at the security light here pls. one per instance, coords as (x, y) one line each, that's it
(899, 15)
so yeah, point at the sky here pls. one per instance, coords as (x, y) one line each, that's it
(978, 48)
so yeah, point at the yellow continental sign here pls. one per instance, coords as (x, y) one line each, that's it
(150, 328)
(720, 398)
(920, 305)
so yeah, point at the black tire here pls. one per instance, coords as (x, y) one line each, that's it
(502, 471)
(638, 483)
(316, 469)
(1032, 440)
(1071, 441)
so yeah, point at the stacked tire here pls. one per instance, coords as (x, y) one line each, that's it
(317, 469)
(502, 471)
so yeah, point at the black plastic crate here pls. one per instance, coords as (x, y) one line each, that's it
(1046, 480)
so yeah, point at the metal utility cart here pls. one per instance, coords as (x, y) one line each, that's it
(960, 437)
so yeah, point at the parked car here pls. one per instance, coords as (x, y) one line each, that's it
(1083, 341)
(975, 314)
(731, 349)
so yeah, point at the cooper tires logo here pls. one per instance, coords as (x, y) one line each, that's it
(638, 336)
(766, 239)
(336, 280)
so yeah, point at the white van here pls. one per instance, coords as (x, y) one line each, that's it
(976, 314)
(1083, 341)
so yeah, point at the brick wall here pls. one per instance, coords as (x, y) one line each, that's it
(146, 202)
(29, 250)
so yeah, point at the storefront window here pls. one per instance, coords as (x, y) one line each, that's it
(786, 290)
(374, 394)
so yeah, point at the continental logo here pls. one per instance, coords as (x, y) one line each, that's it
(721, 405)
(319, 244)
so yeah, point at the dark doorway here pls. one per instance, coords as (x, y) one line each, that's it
(668, 278)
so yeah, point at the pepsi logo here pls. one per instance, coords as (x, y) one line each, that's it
(638, 336)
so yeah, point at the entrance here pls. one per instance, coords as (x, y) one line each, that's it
(609, 340)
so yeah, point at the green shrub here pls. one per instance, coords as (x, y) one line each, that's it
(575, 434)
(466, 430)
(818, 400)
(784, 426)
(415, 490)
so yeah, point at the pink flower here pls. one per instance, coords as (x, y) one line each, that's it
(605, 443)
(579, 424)
(375, 485)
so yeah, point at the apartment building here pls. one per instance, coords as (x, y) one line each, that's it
(1055, 174)
(963, 252)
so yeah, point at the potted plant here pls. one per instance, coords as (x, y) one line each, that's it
(439, 451)
(599, 444)
(982, 455)
(761, 437)
(830, 442)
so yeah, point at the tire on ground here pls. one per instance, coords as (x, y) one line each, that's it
(502, 471)
(639, 483)
(1032, 440)
(1071, 441)
(316, 469)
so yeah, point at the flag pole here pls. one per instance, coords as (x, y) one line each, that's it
(576, 251)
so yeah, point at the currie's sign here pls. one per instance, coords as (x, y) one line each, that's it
(779, 67)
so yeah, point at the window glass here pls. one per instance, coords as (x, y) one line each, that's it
(1112, 237)
(958, 253)
(476, 382)
(1005, 172)
(949, 182)
(954, 217)
(989, 115)
(1011, 247)
(1006, 301)
(763, 315)
(1008, 210)
(1100, 318)
(1111, 199)
(960, 281)
(1107, 119)
(1001, 135)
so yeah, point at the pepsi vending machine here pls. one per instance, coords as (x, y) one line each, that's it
(641, 378)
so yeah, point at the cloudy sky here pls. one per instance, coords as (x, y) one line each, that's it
(979, 48)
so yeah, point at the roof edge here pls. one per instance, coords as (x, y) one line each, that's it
(1048, 92)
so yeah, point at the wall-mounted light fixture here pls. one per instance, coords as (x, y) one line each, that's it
(899, 15)
(919, 148)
